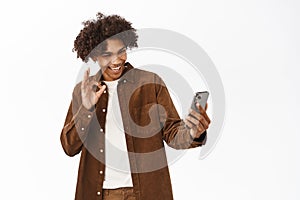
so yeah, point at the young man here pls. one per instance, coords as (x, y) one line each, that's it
(119, 118)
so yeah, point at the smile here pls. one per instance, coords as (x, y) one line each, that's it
(115, 68)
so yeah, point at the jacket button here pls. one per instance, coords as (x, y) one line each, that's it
(103, 110)
(124, 81)
(101, 172)
(98, 193)
(101, 150)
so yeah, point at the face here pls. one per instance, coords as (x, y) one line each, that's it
(112, 59)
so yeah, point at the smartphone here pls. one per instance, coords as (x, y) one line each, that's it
(201, 98)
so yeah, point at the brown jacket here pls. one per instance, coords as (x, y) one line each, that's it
(149, 118)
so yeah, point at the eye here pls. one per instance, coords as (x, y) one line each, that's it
(105, 54)
(122, 51)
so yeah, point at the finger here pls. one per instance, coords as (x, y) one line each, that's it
(196, 120)
(199, 117)
(207, 118)
(204, 123)
(203, 113)
(93, 83)
(206, 106)
(192, 120)
(194, 113)
(101, 90)
(202, 110)
(86, 74)
(85, 78)
(200, 130)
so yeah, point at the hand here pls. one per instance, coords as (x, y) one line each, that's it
(197, 122)
(89, 96)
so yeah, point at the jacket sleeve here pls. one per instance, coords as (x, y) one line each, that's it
(76, 126)
(175, 133)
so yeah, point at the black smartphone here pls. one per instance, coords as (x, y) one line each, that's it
(201, 98)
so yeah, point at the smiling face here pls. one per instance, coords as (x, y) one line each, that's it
(112, 59)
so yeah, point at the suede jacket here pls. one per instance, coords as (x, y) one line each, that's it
(149, 118)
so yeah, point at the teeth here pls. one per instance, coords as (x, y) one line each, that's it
(116, 68)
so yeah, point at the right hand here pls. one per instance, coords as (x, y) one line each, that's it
(89, 96)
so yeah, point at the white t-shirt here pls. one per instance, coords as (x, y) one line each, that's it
(117, 171)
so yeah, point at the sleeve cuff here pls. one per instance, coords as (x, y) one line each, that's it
(82, 119)
(200, 140)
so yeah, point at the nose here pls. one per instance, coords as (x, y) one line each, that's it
(116, 60)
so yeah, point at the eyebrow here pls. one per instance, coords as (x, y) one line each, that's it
(108, 52)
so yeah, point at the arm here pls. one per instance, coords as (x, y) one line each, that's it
(75, 127)
(80, 114)
(175, 133)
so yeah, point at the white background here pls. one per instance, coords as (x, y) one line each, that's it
(255, 46)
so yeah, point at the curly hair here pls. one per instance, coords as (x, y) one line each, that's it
(92, 37)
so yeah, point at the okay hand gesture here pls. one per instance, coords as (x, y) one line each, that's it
(89, 95)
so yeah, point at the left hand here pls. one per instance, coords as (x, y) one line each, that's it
(197, 122)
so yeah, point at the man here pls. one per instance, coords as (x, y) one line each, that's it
(123, 158)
